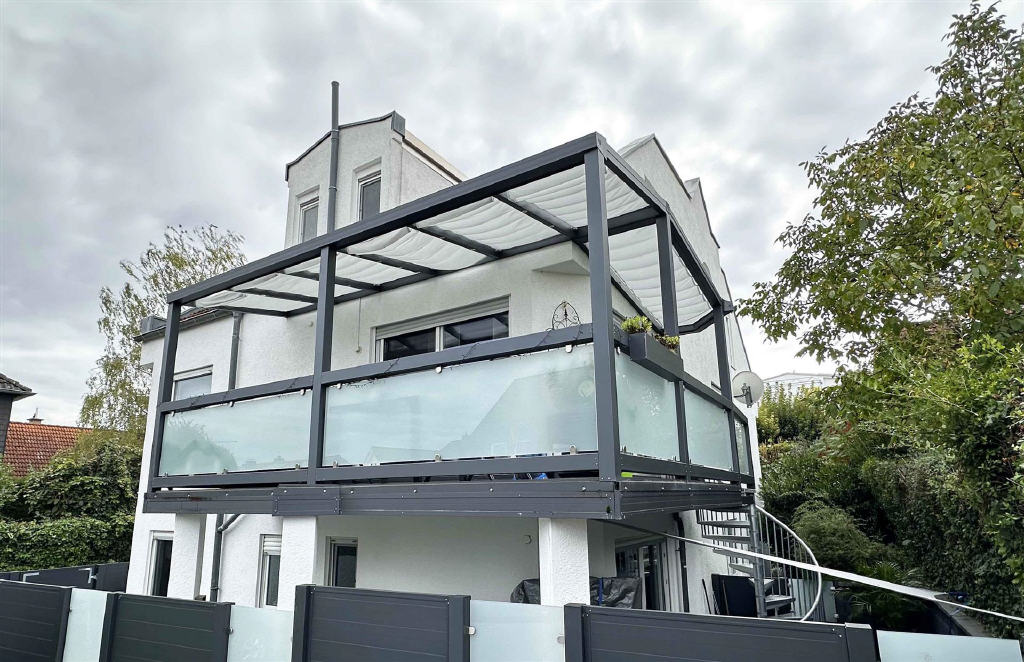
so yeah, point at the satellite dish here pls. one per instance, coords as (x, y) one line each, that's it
(748, 387)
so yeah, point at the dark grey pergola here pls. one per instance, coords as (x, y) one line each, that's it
(581, 192)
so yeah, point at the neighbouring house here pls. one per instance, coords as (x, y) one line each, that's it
(428, 388)
(31, 445)
(794, 381)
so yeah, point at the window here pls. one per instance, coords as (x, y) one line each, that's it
(270, 570)
(343, 563)
(486, 321)
(191, 384)
(160, 563)
(308, 213)
(369, 196)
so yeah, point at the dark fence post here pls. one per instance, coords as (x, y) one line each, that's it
(300, 622)
(573, 632)
(860, 642)
(458, 628)
(37, 633)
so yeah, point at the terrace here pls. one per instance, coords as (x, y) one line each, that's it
(616, 422)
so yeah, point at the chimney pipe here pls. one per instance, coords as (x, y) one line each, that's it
(332, 192)
(35, 420)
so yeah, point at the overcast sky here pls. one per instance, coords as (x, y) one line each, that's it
(119, 119)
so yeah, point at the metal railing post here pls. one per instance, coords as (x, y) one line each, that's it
(755, 539)
(165, 389)
(602, 316)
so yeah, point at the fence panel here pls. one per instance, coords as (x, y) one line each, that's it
(339, 624)
(81, 576)
(599, 634)
(140, 628)
(33, 621)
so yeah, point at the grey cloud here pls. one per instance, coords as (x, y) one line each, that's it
(119, 119)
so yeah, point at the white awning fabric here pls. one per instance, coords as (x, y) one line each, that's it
(521, 219)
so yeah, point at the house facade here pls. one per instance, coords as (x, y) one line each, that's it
(428, 390)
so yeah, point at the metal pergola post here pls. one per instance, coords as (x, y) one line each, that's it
(602, 317)
(670, 317)
(725, 379)
(165, 389)
(322, 359)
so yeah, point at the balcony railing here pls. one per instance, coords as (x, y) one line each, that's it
(525, 405)
(613, 405)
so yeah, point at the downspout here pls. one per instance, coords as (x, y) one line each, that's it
(221, 524)
(332, 192)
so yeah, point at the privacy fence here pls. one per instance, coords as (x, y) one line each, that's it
(62, 624)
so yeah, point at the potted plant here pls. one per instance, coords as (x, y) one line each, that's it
(640, 324)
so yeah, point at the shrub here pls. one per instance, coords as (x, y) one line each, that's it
(68, 541)
(833, 535)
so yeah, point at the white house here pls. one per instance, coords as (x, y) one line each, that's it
(430, 392)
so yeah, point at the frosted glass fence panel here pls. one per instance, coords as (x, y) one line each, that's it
(509, 632)
(647, 411)
(85, 625)
(707, 432)
(915, 647)
(531, 404)
(260, 635)
(266, 433)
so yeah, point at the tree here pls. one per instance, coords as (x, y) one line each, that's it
(923, 220)
(118, 389)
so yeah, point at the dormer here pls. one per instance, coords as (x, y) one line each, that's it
(380, 165)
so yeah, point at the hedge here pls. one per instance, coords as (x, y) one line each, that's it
(68, 541)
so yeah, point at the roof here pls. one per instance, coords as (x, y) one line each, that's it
(397, 123)
(13, 387)
(193, 317)
(33, 445)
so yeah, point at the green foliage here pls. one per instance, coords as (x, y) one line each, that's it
(118, 389)
(881, 608)
(788, 415)
(68, 541)
(77, 510)
(637, 324)
(910, 269)
(834, 536)
(99, 482)
(921, 220)
(672, 342)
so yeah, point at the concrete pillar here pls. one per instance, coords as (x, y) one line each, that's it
(187, 556)
(564, 561)
(301, 558)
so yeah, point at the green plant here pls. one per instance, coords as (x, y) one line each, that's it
(833, 535)
(68, 541)
(637, 324)
(885, 609)
(672, 342)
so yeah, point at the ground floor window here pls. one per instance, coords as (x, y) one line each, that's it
(160, 560)
(270, 570)
(343, 563)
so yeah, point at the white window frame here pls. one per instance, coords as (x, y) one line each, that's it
(268, 542)
(191, 374)
(155, 536)
(303, 207)
(361, 183)
(438, 321)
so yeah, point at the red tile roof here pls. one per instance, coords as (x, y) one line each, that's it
(33, 445)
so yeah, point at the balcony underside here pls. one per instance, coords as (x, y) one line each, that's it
(567, 498)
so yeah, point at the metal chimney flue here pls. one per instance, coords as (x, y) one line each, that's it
(332, 191)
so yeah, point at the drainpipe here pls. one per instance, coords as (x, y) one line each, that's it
(332, 192)
(222, 525)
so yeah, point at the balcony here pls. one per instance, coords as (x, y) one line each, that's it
(560, 407)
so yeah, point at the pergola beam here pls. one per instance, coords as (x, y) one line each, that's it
(275, 294)
(540, 215)
(459, 240)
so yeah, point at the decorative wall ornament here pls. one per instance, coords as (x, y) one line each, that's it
(564, 316)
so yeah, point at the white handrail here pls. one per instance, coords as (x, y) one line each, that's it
(814, 561)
